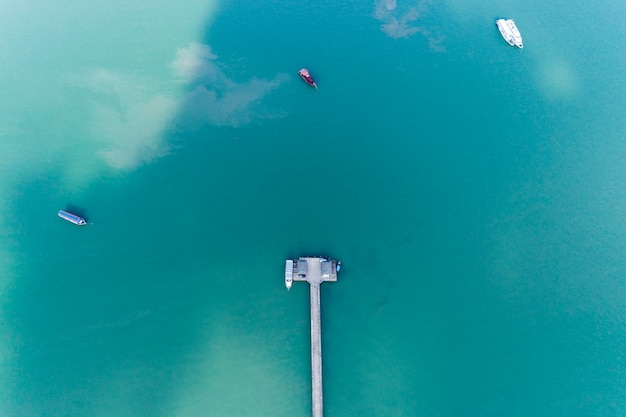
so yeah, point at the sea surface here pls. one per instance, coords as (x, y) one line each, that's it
(475, 192)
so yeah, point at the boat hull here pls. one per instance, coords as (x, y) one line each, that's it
(517, 36)
(505, 31)
(509, 32)
(72, 218)
(288, 273)
(306, 77)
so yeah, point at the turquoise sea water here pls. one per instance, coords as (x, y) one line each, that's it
(475, 193)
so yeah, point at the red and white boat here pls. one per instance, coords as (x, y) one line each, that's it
(304, 74)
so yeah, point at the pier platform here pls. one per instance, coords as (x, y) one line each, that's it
(313, 270)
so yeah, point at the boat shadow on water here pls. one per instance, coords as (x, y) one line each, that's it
(79, 211)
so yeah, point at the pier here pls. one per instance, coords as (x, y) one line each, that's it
(313, 270)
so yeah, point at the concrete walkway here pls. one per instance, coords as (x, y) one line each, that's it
(315, 270)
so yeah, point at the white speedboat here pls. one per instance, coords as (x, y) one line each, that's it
(505, 31)
(517, 37)
(288, 273)
(509, 32)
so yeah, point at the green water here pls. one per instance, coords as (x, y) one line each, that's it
(475, 193)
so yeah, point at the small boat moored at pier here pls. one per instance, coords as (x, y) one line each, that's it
(304, 74)
(288, 273)
(72, 218)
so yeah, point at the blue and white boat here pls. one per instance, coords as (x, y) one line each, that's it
(72, 218)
